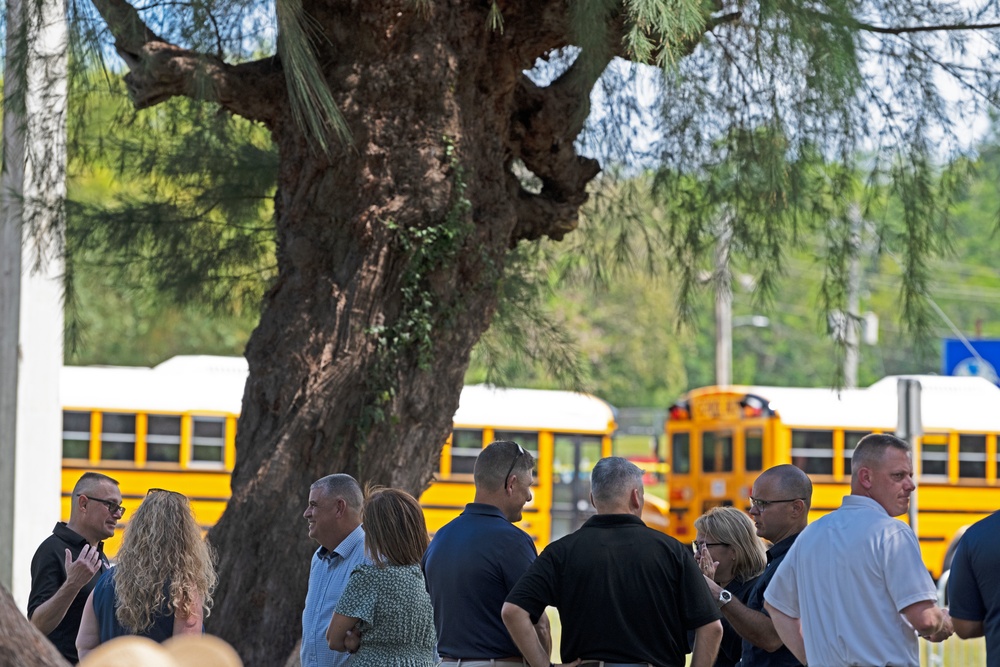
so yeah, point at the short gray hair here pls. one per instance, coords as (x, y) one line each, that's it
(613, 478)
(341, 485)
(494, 462)
(871, 450)
(91, 480)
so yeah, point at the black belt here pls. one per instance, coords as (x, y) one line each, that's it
(516, 658)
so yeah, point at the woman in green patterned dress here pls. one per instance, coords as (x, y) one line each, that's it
(387, 602)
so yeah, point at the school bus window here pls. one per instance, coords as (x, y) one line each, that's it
(934, 456)
(76, 435)
(851, 439)
(465, 447)
(972, 456)
(753, 458)
(680, 448)
(163, 439)
(118, 437)
(812, 451)
(208, 441)
(716, 452)
(527, 439)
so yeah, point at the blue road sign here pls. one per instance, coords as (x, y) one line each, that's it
(958, 359)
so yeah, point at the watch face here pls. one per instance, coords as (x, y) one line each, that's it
(725, 596)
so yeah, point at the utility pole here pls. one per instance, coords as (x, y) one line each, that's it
(32, 196)
(910, 427)
(722, 280)
(852, 320)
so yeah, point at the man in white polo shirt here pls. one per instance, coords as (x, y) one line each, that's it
(853, 589)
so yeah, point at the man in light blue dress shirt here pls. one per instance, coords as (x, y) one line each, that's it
(334, 517)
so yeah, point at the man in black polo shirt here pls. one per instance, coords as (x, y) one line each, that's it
(626, 594)
(779, 507)
(65, 567)
(474, 561)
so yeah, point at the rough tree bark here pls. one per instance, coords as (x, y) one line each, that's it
(21, 643)
(389, 256)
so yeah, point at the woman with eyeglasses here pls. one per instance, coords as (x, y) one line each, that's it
(387, 601)
(163, 580)
(730, 554)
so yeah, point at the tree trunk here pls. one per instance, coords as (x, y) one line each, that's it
(21, 644)
(390, 255)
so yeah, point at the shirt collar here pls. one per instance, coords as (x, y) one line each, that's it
(781, 548)
(485, 509)
(70, 536)
(861, 502)
(602, 520)
(347, 546)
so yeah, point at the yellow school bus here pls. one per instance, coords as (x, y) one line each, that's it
(174, 426)
(720, 438)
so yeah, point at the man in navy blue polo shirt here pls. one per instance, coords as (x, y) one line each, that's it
(474, 561)
(974, 586)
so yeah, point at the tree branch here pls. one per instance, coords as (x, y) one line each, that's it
(898, 30)
(160, 70)
(545, 124)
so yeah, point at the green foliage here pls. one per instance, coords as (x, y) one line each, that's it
(187, 233)
(608, 295)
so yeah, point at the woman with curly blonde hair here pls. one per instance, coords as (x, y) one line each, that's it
(162, 583)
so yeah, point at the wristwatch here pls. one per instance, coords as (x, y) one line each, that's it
(724, 598)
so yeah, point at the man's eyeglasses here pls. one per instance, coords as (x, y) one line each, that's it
(698, 546)
(520, 453)
(763, 504)
(112, 506)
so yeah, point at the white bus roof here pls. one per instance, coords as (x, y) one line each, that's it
(215, 384)
(969, 404)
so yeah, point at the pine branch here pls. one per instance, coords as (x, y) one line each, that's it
(897, 30)
(160, 70)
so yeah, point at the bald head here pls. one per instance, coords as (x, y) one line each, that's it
(780, 502)
(790, 482)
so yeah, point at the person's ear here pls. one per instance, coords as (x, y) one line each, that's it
(865, 477)
(508, 488)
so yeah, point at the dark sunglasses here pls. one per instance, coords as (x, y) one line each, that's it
(520, 453)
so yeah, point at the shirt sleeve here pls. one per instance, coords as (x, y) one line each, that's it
(782, 591)
(358, 600)
(965, 599)
(47, 575)
(536, 589)
(699, 608)
(517, 561)
(906, 576)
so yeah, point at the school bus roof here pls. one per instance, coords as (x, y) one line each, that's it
(969, 404)
(215, 384)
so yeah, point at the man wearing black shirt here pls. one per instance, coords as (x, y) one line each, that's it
(626, 594)
(66, 566)
(779, 507)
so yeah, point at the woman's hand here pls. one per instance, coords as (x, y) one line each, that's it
(705, 563)
(339, 630)
(352, 642)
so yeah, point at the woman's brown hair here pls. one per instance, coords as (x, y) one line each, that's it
(395, 530)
